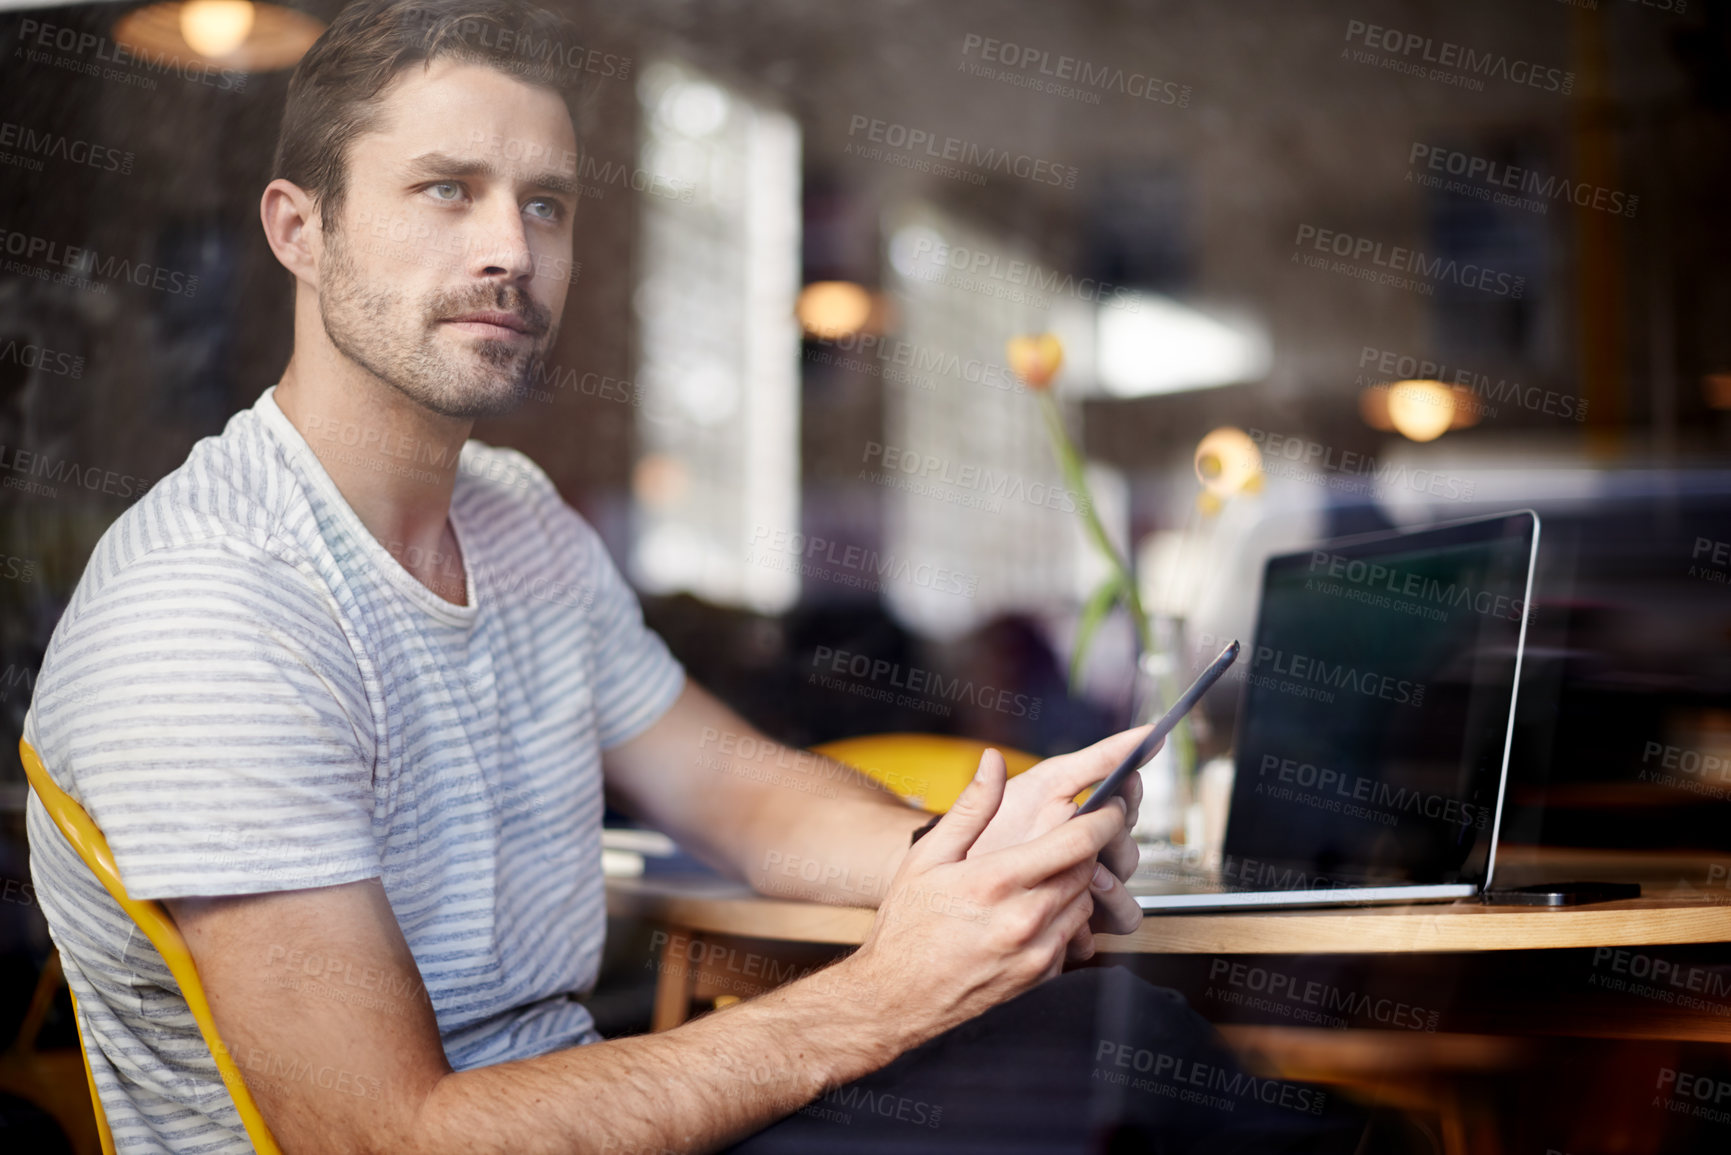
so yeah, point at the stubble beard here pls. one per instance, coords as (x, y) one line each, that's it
(400, 343)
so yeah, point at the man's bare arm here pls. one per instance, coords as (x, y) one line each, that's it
(797, 825)
(790, 822)
(319, 1001)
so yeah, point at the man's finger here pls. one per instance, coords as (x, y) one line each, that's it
(1073, 841)
(1132, 795)
(1071, 773)
(1080, 948)
(1065, 926)
(1122, 855)
(969, 815)
(1115, 908)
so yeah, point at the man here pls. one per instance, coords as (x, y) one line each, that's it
(345, 689)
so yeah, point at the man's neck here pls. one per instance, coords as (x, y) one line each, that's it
(394, 461)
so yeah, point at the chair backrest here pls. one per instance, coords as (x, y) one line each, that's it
(154, 921)
(929, 770)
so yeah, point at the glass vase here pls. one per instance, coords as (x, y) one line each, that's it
(1168, 778)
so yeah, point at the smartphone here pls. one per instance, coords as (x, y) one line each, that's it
(1563, 893)
(1185, 703)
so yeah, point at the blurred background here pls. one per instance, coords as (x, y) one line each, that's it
(1307, 269)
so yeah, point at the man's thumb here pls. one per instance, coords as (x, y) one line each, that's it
(969, 815)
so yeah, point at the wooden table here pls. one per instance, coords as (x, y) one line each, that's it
(1522, 990)
(1685, 900)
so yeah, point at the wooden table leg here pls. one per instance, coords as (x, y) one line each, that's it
(674, 975)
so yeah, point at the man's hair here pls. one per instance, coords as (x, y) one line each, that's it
(334, 94)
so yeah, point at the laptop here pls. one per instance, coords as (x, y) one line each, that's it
(1376, 716)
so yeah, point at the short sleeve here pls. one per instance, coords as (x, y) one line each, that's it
(637, 678)
(207, 710)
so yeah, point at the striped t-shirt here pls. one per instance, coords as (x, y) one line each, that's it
(248, 693)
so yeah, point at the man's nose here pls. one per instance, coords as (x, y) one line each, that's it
(500, 246)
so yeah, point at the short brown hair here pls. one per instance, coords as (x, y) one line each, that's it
(334, 92)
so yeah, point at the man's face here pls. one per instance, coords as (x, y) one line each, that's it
(446, 271)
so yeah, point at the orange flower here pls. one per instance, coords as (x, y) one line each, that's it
(1035, 359)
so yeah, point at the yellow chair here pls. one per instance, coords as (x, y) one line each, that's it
(153, 920)
(929, 770)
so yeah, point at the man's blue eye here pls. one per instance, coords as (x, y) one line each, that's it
(548, 210)
(451, 190)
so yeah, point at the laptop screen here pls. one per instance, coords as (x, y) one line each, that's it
(1377, 701)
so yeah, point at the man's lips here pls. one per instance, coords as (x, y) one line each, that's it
(489, 323)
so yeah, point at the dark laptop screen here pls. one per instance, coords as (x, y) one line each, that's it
(1376, 707)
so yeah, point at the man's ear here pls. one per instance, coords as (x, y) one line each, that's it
(293, 228)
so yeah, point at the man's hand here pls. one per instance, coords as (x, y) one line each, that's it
(319, 998)
(964, 928)
(1041, 798)
(755, 808)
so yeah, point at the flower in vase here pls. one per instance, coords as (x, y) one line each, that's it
(1035, 359)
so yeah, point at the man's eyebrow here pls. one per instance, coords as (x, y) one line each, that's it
(435, 165)
(554, 182)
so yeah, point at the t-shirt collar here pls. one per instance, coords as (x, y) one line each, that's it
(314, 473)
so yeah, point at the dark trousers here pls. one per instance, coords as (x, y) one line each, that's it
(1095, 1060)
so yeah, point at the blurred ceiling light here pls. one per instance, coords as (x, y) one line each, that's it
(1228, 462)
(832, 310)
(215, 27)
(1717, 387)
(232, 34)
(1373, 407)
(1420, 410)
(1149, 344)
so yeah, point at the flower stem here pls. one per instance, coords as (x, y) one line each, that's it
(1070, 463)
